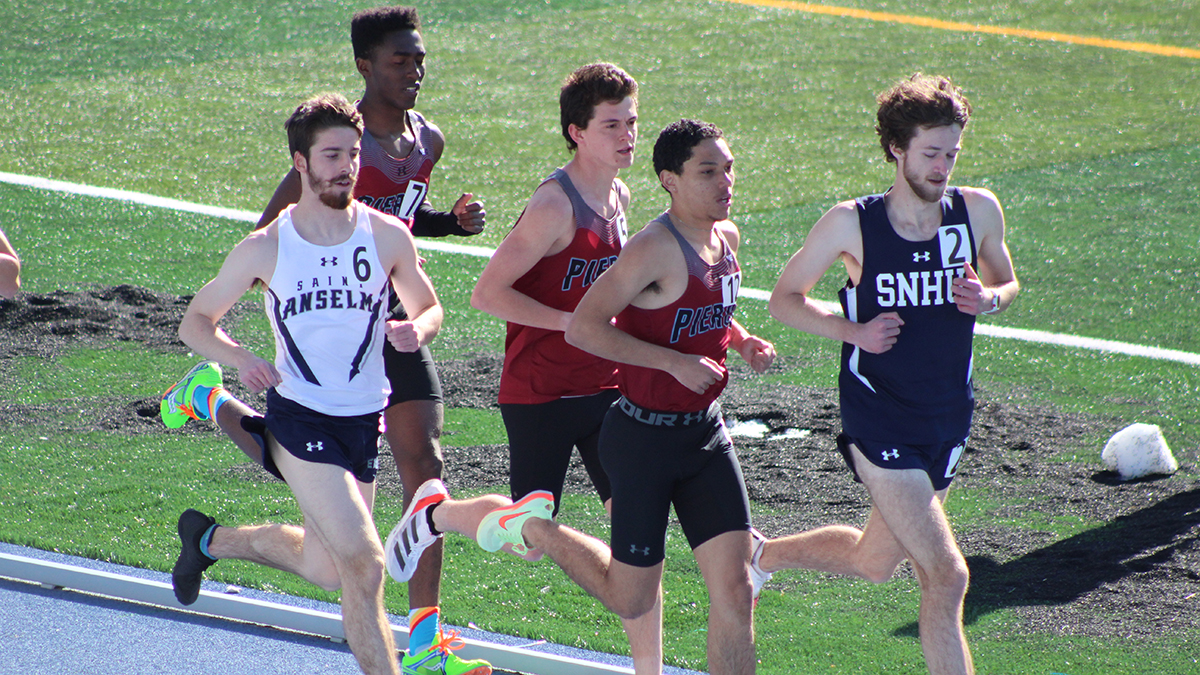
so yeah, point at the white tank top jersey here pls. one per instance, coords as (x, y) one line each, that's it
(327, 306)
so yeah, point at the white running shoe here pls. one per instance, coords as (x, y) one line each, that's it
(757, 576)
(503, 525)
(412, 535)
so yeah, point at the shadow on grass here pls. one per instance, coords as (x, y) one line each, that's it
(1066, 570)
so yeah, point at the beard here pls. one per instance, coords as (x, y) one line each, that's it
(924, 190)
(332, 195)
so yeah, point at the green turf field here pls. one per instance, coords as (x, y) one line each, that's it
(1094, 152)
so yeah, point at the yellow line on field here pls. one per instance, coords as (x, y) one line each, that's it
(1161, 50)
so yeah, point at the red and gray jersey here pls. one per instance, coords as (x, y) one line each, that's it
(539, 365)
(697, 323)
(327, 306)
(396, 186)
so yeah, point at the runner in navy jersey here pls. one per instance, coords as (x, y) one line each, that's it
(672, 291)
(906, 394)
(399, 150)
(554, 396)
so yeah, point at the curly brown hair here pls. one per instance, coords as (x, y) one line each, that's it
(588, 87)
(921, 101)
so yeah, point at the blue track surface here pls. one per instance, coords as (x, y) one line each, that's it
(64, 631)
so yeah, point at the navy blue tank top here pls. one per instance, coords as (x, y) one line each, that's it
(919, 391)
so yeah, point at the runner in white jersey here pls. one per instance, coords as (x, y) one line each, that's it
(325, 265)
(326, 305)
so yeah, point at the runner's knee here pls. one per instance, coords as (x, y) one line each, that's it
(947, 578)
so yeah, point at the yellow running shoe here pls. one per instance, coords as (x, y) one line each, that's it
(177, 407)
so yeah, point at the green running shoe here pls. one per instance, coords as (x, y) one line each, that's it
(439, 660)
(503, 525)
(177, 404)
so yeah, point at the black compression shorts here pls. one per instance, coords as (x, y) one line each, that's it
(540, 438)
(658, 459)
(413, 375)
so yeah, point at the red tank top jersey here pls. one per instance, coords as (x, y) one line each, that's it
(697, 323)
(539, 365)
(396, 186)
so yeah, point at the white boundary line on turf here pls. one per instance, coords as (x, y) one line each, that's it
(1037, 336)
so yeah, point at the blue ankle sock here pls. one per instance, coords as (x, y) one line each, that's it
(206, 401)
(206, 539)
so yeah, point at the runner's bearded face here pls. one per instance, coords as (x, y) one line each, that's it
(929, 160)
(332, 167)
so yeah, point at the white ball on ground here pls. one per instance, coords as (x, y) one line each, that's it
(1139, 450)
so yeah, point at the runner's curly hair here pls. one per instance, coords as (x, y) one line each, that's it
(921, 101)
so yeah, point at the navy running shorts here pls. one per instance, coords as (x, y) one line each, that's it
(349, 442)
(657, 459)
(940, 461)
(540, 439)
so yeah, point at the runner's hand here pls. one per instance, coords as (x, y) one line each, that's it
(969, 293)
(258, 374)
(403, 335)
(471, 216)
(879, 334)
(697, 373)
(757, 352)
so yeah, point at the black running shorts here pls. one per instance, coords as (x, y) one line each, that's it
(413, 375)
(939, 461)
(658, 459)
(540, 439)
(349, 442)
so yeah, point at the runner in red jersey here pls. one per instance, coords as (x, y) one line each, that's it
(554, 396)
(654, 458)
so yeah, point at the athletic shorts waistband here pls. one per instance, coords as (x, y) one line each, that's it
(665, 418)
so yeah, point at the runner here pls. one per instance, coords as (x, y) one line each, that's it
(906, 394)
(327, 386)
(399, 150)
(672, 292)
(554, 396)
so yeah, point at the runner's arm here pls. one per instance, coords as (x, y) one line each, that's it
(755, 351)
(547, 224)
(10, 269)
(398, 253)
(250, 261)
(464, 219)
(640, 267)
(995, 279)
(835, 236)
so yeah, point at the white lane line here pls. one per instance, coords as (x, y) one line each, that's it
(1037, 336)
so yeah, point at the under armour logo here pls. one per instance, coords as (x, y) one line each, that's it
(891, 454)
(635, 549)
(320, 445)
(922, 256)
(333, 261)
